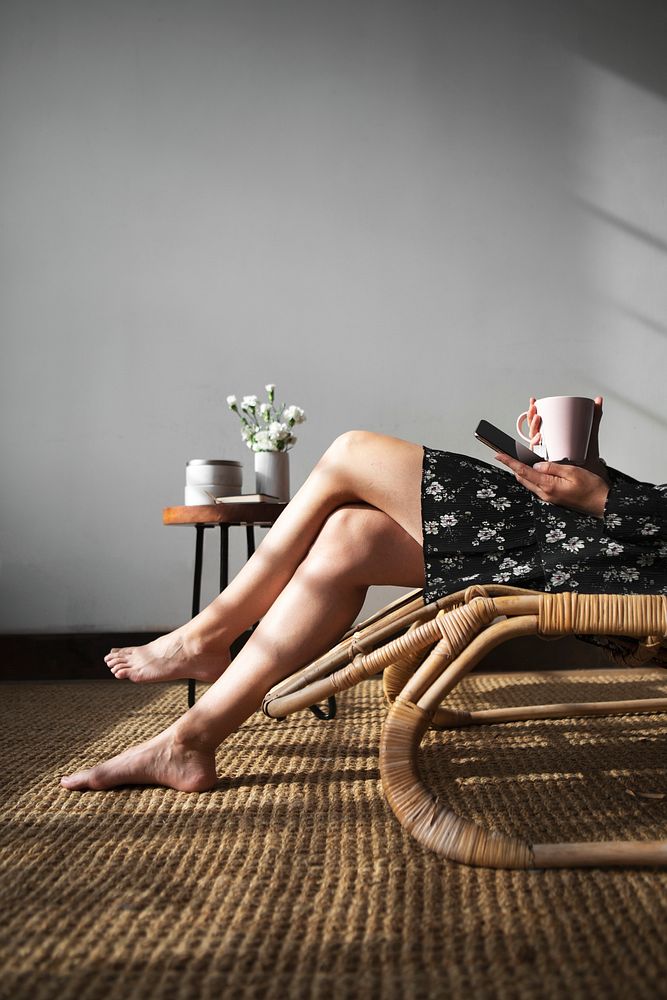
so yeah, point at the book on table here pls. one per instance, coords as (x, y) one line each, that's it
(249, 498)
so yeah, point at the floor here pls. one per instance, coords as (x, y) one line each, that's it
(292, 878)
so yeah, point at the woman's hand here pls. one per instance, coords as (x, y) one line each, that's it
(583, 488)
(565, 485)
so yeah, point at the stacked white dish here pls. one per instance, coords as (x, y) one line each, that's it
(208, 478)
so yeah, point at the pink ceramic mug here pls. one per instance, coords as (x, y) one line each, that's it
(565, 428)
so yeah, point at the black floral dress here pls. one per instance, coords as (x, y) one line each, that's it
(481, 526)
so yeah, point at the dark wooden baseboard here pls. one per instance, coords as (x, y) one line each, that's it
(81, 655)
(70, 656)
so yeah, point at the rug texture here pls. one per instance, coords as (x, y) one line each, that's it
(292, 878)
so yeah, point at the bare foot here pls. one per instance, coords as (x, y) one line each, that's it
(171, 657)
(160, 761)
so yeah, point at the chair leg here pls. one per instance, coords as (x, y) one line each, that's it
(437, 827)
(430, 821)
(433, 823)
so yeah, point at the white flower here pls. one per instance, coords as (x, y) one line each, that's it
(629, 573)
(483, 494)
(573, 544)
(431, 527)
(521, 570)
(649, 529)
(501, 577)
(294, 414)
(261, 441)
(559, 577)
(613, 521)
(279, 432)
(507, 563)
(646, 559)
(262, 426)
(501, 503)
(612, 549)
(555, 535)
(448, 520)
(484, 534)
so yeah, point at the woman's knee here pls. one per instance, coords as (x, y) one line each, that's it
(350, 444)
(341, 462)
(344, 541)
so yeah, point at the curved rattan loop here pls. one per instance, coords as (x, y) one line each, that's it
(434, 825)
(429, 820)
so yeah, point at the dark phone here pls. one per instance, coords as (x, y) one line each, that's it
(495, 438)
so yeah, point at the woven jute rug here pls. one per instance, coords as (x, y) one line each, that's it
(292, 878)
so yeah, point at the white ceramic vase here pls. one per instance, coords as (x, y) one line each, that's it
(272, 473)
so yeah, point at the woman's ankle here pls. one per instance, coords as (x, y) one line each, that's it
(190, 738)
(199, 641)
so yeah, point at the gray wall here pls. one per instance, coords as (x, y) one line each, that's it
(407, 214)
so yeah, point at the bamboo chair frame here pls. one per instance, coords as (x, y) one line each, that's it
(425, 650)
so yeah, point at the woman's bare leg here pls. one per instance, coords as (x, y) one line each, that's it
(360, 466)
(358, 546)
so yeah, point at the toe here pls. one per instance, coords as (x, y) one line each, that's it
(118, 653)
(116, 660)
(94, 779)
(75, 782)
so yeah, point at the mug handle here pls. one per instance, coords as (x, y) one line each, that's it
(519, 420)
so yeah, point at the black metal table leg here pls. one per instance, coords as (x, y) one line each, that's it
(196, 593)
(224, 556)
(250, 538)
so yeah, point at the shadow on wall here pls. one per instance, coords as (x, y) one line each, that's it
(627, 39)
(622, 193)
(626, 227)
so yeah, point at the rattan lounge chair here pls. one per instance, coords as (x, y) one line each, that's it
(425, 650)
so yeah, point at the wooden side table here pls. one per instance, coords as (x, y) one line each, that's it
(259, 513)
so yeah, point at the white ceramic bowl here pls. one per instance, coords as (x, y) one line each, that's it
(223, 473)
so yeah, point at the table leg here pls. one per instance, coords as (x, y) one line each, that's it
(250, 538)
(196, 593)
(224, 556)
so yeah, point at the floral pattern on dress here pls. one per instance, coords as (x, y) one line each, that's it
(481, 526)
